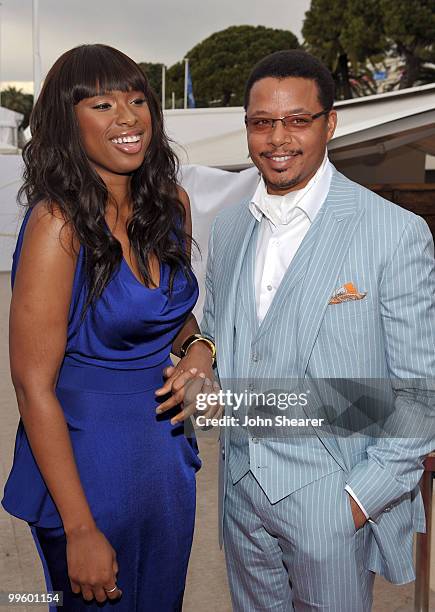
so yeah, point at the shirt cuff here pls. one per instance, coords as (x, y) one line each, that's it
(363, 510)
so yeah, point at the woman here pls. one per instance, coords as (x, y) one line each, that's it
(102, 293)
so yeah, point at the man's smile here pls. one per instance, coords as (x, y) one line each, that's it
(280, 161)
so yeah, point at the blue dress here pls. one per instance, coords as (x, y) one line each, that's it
(137, 470)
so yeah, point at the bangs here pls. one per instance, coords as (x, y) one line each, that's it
(97, 69)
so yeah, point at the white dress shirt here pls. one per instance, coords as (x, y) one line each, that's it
(284, 221)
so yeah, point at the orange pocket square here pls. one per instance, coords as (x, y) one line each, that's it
(346, 293)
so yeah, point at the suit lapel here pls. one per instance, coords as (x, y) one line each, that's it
(247, 280)
(291, 277)
(340, 220)
(237, 243)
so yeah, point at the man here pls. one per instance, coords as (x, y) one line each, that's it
(318, 279)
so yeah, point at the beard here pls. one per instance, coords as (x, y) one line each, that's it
(285, 184)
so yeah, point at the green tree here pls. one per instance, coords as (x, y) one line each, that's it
(411, 28)
(345, 34)
(14, 99)
(221, 63)
(154, 74)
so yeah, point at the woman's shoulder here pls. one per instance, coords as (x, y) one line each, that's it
(48, 224)
(45, 253)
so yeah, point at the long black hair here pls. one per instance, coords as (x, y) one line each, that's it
(58, 171)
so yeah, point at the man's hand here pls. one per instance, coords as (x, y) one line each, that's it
(359, 517)
(192, 375)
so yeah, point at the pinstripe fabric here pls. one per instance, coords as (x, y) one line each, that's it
(285, 465)
(265, 544)
(390, 334)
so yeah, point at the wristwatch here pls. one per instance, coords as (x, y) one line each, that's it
(198, 338)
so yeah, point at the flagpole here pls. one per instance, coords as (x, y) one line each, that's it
(186, 74)
(163, 86)
(36, 52)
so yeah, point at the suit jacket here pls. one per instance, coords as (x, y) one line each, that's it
(388, 253)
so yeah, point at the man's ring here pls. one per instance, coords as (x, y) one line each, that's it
(111, 590)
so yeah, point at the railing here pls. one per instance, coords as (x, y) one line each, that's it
(422, 582)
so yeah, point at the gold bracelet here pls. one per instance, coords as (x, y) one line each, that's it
(198, 338)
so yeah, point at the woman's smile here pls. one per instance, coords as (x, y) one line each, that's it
(128, 142)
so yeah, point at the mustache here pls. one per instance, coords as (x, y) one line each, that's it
(275, 153)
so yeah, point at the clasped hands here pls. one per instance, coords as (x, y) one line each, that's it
(191, 376)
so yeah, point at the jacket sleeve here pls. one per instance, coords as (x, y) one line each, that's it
(208, 315)
(407, 301)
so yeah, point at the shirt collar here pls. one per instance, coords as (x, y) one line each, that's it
(280, 210)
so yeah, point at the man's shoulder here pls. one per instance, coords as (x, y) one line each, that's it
(232, 214)
(375, 207)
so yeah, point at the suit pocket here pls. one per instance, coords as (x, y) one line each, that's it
(350, 309)
(347, 340)
(350, 523)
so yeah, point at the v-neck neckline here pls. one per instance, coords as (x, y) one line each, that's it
(156, 288)
(129, 269)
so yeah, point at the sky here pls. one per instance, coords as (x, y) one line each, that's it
(159, 31)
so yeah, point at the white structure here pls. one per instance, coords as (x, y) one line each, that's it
(379, 139)
(10, 180)
(385, 138)
(209, 189)
(9, 124)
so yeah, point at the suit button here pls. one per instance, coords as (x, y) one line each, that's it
(223, 454)
(255, 440)
(254, 357)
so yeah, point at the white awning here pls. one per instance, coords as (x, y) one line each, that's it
(9, 123)
(372, 124)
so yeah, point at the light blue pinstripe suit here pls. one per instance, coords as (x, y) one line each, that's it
(387, 252)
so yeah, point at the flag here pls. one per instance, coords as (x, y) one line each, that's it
(190, 96)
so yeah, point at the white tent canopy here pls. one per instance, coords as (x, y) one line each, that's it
(398, 126)
(366, 126)
(9, 124)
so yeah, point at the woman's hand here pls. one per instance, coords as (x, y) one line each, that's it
(192, 375)
(92, 565)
